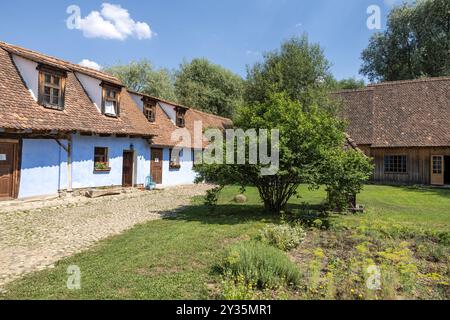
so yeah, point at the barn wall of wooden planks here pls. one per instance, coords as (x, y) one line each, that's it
(418, 164)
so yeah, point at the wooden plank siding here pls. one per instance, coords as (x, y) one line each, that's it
(418, 164)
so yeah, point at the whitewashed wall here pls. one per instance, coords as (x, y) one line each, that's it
(184, 175)
(30, 74)
(83, 175)
(169, 110)
(138, 101)
(93, 89)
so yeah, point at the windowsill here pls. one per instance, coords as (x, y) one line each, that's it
(397, 173)
(102, 170)
(174, 167)
(111, 115)
(52, 107)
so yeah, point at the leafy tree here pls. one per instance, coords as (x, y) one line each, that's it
(310, 140)
(298, 68)
(140, 76)
(416, 43)
(209, 87)
(346, 84)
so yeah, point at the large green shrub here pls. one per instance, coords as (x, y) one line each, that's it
(260, 264)
(285, 237)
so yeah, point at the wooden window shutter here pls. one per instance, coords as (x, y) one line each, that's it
(119, 93)
(63, 92)
(41, 88)
(103, 99)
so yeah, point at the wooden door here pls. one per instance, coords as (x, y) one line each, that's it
(127, 176)
(7, 164)
(157, 165)
(437, 170)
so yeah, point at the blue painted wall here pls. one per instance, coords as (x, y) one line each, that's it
(83, 174)
(44, 168)
(44, 164)
(184, 175)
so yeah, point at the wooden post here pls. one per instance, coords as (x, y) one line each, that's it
(69, 164)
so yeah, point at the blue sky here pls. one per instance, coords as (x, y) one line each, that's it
(232, 33)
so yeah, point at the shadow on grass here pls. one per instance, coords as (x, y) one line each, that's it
(233, 214)
(438, 191)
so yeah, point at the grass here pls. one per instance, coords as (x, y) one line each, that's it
(175, 258)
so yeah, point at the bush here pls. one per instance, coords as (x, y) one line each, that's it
(284, 236)
(212, 197)
(261, 265)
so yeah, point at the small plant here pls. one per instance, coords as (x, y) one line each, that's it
(211, 198)
(284, 236)
(237, 288)
(261, 265)
(314, 271)
(99, 166)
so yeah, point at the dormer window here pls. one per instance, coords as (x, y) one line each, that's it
(111, 100)
(52, 85)
(181, 117)
(149, 110)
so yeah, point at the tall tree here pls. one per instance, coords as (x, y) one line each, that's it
(209, 87)
(140, 76)
(298, 68)
(415, 44)
(310, 151)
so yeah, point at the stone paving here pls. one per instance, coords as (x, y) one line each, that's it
(33, 236)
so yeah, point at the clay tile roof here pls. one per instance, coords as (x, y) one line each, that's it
(55, 62)
(18, 110)
(412, 113)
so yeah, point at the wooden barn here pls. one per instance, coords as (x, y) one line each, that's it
(405, 127)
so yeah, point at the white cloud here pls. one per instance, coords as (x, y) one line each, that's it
(90, 64)
(113, 22)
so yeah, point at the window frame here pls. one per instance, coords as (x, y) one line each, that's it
(43, 71)
(437, 165)
(175, 164)
(180, 114)
(114, 88)
(395, 164)
(106, 166)
(149, 105)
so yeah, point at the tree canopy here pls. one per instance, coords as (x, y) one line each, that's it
(415, 44)
(310, 145)
(208, 87)
(142, 77)
(298, 68)
(346, 84)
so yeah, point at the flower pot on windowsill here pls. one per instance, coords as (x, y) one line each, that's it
(101, 167)
(174, 166)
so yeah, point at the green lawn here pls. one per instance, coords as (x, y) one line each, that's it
(176, 258)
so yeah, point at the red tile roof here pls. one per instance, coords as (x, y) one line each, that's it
(164, 126)
(412, 113)
(18, 110)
